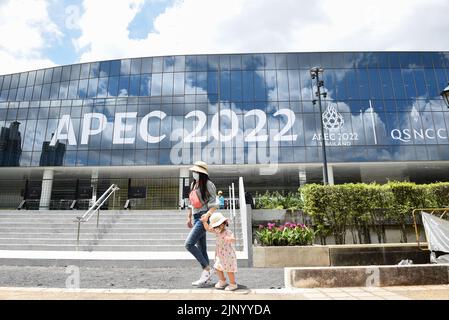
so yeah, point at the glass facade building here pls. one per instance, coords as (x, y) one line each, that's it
(236, 112)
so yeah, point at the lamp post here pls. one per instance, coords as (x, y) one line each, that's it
(315, 74)
(445, 95)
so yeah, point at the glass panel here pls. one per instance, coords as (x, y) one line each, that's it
(54, 93)
(136, 64)
(156, 83)
(65, 73)
(84, 71)
(37, 92)
(31, 77)
(169, 63)
(157, 64)
(23, 80)
(113, 86)
(178, 83)
(94, 70)
(134, 85)
(82, 89)
(114, 68)
(102, 87)
(147, 65)
(56, 74)
(145, 84)
(180, 63)
(48, 75)
(123, 86)
(104, 68)
(167, 81)
(125, 67)
(92, 90)
(63, 90)
(75, 72)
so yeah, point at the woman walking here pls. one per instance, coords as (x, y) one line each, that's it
(203, 201)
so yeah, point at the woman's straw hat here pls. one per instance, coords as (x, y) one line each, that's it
(217, 219)
(199, 166)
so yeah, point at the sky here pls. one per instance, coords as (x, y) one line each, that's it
(37, 34)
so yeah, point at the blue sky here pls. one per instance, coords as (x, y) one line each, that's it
(41, 33)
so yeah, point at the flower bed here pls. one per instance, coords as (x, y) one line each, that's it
(288, 234)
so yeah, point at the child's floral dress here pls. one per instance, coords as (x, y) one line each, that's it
(225, 258)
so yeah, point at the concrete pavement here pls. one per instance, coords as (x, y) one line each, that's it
(355, 293)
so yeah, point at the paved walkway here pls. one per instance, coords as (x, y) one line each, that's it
(365, 293)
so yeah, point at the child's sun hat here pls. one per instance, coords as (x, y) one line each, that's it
(217, 219)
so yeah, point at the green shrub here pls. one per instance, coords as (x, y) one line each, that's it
(358, 207)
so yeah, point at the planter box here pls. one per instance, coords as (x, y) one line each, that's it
(294, 256)
(338, 255)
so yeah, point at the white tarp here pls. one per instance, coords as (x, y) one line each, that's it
(437, 232)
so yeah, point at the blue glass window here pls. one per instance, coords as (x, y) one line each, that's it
(31, 77)
(248, 85)
(48, 75)
(104, 68)
(136, 65)
(157, 65)
(84, 71)
(225, 85)
(54, 93)
(37, 92)
(134, 85)
(236, 86)
(113, 86)
(156, 84)
(75, 72)
(82, 89)
(125, 67)
(14, 81)
(56, 74)
(65, 76)
(145, 85)
(94, 70)
(93, 86)
(23, 80)
(178, 83)
(123, 86)
(180, 63)
(169, 63)
(282, 85)
(167, 84)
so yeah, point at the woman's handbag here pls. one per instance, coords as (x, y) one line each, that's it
(195, 200)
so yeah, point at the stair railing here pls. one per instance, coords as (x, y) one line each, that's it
(95, 208)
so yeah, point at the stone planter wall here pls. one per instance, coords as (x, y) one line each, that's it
(304, 256)
(338, 255)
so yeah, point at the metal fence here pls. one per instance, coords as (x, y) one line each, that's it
(134, 193)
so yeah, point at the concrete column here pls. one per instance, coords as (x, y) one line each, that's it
(183, 181)
(302, 177)
(47, 184)
(93, 184)
(330, 173)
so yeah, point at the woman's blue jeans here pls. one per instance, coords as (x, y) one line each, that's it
(196, 243)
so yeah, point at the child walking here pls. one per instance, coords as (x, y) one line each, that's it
(225, 257)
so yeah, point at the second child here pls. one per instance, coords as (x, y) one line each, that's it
(225, 257)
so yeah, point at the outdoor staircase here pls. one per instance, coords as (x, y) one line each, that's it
(147, 234)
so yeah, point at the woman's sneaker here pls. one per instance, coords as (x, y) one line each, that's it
(232, 287)
(220, 285)
(205, 276)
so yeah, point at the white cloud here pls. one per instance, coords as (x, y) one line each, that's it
(25, 30)
(228, 26)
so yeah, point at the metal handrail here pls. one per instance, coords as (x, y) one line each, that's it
(95, 208)
(432, 211)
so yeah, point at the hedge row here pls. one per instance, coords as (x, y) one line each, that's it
(335, 208)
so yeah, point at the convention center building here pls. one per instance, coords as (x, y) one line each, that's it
(69, 132)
